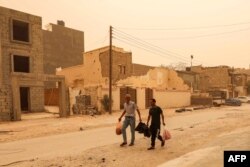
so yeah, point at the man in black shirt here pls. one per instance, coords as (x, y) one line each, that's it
(154, 114)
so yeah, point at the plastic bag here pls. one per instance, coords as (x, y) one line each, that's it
(166, 134)
(118, 129)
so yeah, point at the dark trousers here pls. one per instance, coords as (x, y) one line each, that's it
(155, 132)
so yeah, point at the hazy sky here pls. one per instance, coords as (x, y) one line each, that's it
(216, 32)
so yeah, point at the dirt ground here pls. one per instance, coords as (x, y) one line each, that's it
(45, 124)
(191, 146)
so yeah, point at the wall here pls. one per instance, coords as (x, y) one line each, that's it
(115, 97)
(37, 101)
(139, 69)
(168, 99)
(63, 47)
(141, 98)
(160, 78)
(118, 59)
(33, 49)
(213, 77)
(190, 78)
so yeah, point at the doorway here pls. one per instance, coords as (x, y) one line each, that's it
(24, 98)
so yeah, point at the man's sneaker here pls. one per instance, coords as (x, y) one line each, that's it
(163, 143)
(123, 144)
(131, 144)
(151, 148)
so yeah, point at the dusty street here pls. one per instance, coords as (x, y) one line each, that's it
(199, 138)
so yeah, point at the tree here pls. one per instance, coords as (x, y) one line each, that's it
(176, 66)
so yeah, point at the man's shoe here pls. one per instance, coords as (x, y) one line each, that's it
(151, 148)
(123, 144)
(163, 143)
(131, 144)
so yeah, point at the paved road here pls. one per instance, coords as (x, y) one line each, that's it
(73, 143)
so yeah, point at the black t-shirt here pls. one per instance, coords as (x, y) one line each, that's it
(155, 113)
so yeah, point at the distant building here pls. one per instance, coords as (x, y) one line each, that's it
(221, 78)
(63, 47)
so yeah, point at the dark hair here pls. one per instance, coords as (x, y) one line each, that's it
(153, 100)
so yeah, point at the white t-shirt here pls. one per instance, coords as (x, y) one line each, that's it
(130, 108)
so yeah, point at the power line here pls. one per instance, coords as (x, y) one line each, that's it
(142, 45)
(148, 50)
(149, 45)
(200, 36)
(187, 28)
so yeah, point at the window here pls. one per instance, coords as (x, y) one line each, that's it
(124, 69)
(120, 67)
(21, 64)
(20, 31)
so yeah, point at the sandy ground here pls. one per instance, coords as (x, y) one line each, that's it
(191, 146)
(45, 124)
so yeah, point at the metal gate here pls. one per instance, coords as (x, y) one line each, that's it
(148, 96)
(123, 92)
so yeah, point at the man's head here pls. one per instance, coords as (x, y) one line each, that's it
(127, 98)
(152, 101)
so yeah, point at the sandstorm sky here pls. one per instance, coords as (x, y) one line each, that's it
(215, 32)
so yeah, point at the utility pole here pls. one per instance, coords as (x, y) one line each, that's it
(233, 82)
(110, 69)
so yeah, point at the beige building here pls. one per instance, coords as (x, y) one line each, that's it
(222, 78)
(21, 66)
(94, 70)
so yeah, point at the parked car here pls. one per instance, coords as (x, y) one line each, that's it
(244, 99)
(233, 102)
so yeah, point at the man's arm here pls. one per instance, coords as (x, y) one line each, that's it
(139, 114)
(149, 116)
(162, 116)
(123, 113)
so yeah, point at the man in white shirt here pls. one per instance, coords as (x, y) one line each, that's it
(129, 112)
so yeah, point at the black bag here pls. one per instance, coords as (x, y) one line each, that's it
(143, 128)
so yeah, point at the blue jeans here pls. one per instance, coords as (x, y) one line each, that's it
(128, 121)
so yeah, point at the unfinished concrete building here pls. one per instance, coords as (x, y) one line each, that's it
(63, 47)
(21, 65)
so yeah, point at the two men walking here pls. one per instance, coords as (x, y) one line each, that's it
(154, 114)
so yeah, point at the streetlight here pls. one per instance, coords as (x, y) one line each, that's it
(191, 59)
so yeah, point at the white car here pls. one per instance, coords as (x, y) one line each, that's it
(244, 99)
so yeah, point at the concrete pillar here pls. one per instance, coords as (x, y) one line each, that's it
(62, 99)
(16, 99)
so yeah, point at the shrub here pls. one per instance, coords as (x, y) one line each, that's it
(105, 102)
